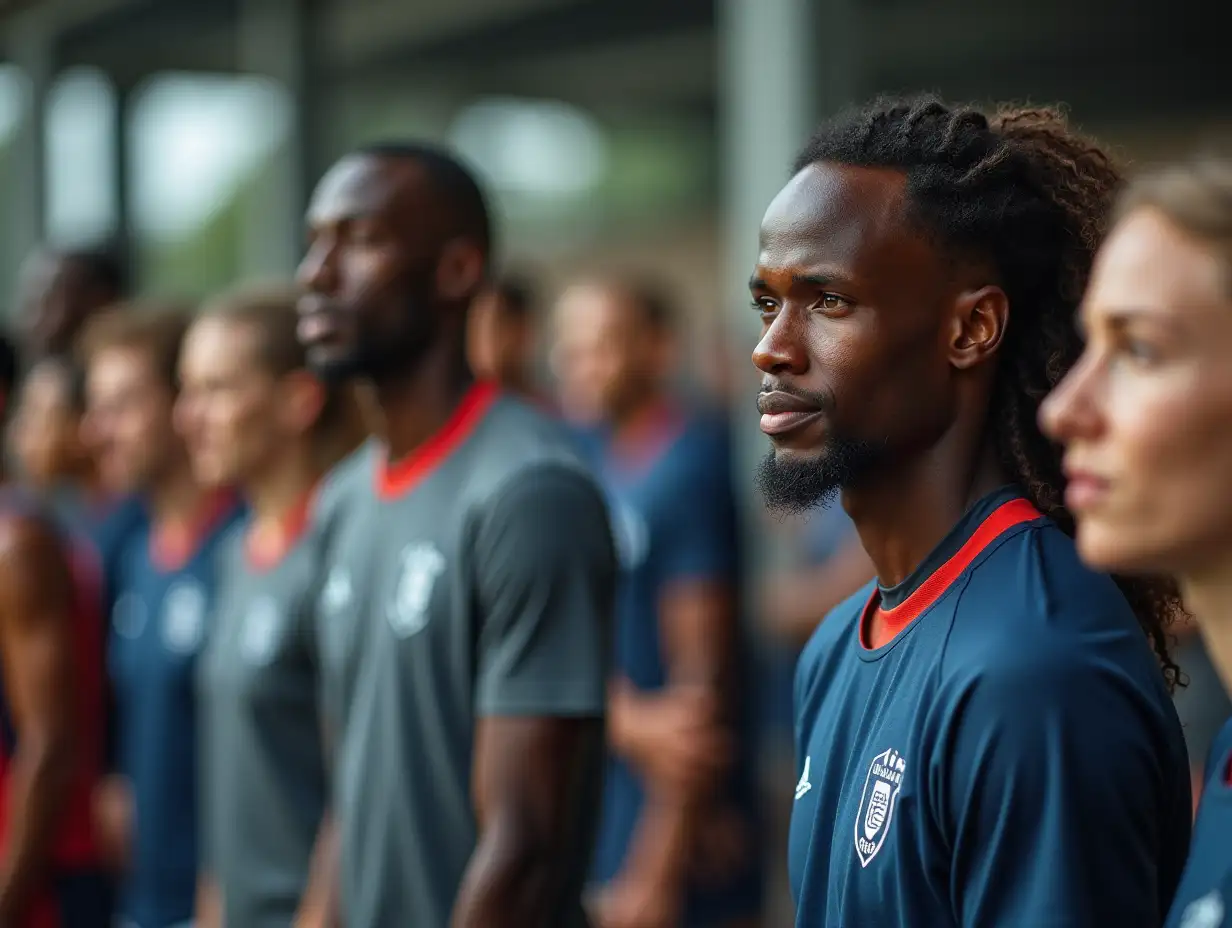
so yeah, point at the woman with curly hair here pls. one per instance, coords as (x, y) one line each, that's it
(1145, 418)
(984, 735)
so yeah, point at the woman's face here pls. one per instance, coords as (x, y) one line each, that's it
(1146, 414)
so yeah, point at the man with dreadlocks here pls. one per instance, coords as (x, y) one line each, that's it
(984, 736)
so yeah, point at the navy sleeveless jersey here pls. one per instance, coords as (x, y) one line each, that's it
(159, 623)
(1205, 897)
(673, 513)
(74, 893)
(1010, 758)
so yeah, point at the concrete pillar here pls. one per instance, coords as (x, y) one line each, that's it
(30, 43)
(276, 39)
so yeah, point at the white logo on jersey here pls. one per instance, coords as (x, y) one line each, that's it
(183, 619)
(128, 615)
(1206, 912)
(631, 534)
(259, 636)
(422, 563)
(804, 785)
(876, 812)
(336, 594)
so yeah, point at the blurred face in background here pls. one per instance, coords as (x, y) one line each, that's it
(127, 425)
(606, 357)
(237, 417)
(46, 428)
(500, 341)
(370, 271)
(1146, 415)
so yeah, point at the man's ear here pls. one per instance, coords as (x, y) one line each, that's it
(978, 326)
(460, 271)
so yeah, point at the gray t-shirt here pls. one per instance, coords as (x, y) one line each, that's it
(483, 587)
(263, 784)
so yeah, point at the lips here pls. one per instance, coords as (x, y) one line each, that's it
(783, 413)
(1084, 489)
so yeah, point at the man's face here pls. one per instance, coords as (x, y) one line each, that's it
(370, 307)
(605, 355)
(231, 411)
(852, 301)
(128, 420)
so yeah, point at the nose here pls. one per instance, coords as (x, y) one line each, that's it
(1071, 410)
(317, 271)
(781, 348)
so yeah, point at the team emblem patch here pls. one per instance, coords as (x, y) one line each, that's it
(259, 637)
(183, 617)
(336, 594)
(876, 812)
(1206, 912)
(422, 563)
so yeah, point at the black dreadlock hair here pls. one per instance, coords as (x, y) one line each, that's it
(1023, 190)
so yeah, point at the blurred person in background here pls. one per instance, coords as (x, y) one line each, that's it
(1145, 417)
(502, 334)
(164, 581)
(465, 615)
(679, 842)
(255, 418)
(984, 734)
(58, 292)
(51, 707)
(47, 441)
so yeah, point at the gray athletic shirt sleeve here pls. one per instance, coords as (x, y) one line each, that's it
(544, 560)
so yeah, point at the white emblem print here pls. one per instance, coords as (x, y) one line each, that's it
(336, 595)
(804, 785)
(183, 618)
(881, 786)
(1206, 912)
(259, 636)
(422, 563)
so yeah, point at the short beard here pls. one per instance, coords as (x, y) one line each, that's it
(793, 486)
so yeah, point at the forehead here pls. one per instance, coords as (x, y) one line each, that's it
(839, 213)
(368, 186)
(588, 308)
(215, 342)
(1147, 261)
(120, 366)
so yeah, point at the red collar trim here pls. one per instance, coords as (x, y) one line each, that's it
(399, 478)
(173, 546)
(266, 545)
(999, 521)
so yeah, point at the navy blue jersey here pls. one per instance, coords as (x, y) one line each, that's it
(1205, 897)
(673, 514)
(158, 627)
(1010, 758)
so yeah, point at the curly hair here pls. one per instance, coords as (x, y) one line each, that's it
(1021, 189)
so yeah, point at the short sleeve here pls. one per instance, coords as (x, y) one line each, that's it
(1062, 799)
(545, 574)
(698, 525)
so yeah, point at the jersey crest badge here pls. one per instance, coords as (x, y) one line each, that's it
(183, 617)
(259, 636)
(336, 594)
(422, 563)
(803, 786)
(1206, 912)
(876, 812)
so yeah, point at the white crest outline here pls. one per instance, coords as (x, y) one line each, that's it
(407, 610)
(875, 814)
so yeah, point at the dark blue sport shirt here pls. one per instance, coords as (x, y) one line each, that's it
(674, 517)
(1011, 759)
(159, 622)
(1205, 897)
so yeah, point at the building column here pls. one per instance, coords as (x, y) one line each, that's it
(276, 39)
(30, 44)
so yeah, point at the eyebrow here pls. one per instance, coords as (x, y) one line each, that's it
(815, 280)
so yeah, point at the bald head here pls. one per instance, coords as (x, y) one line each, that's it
(400, 240)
